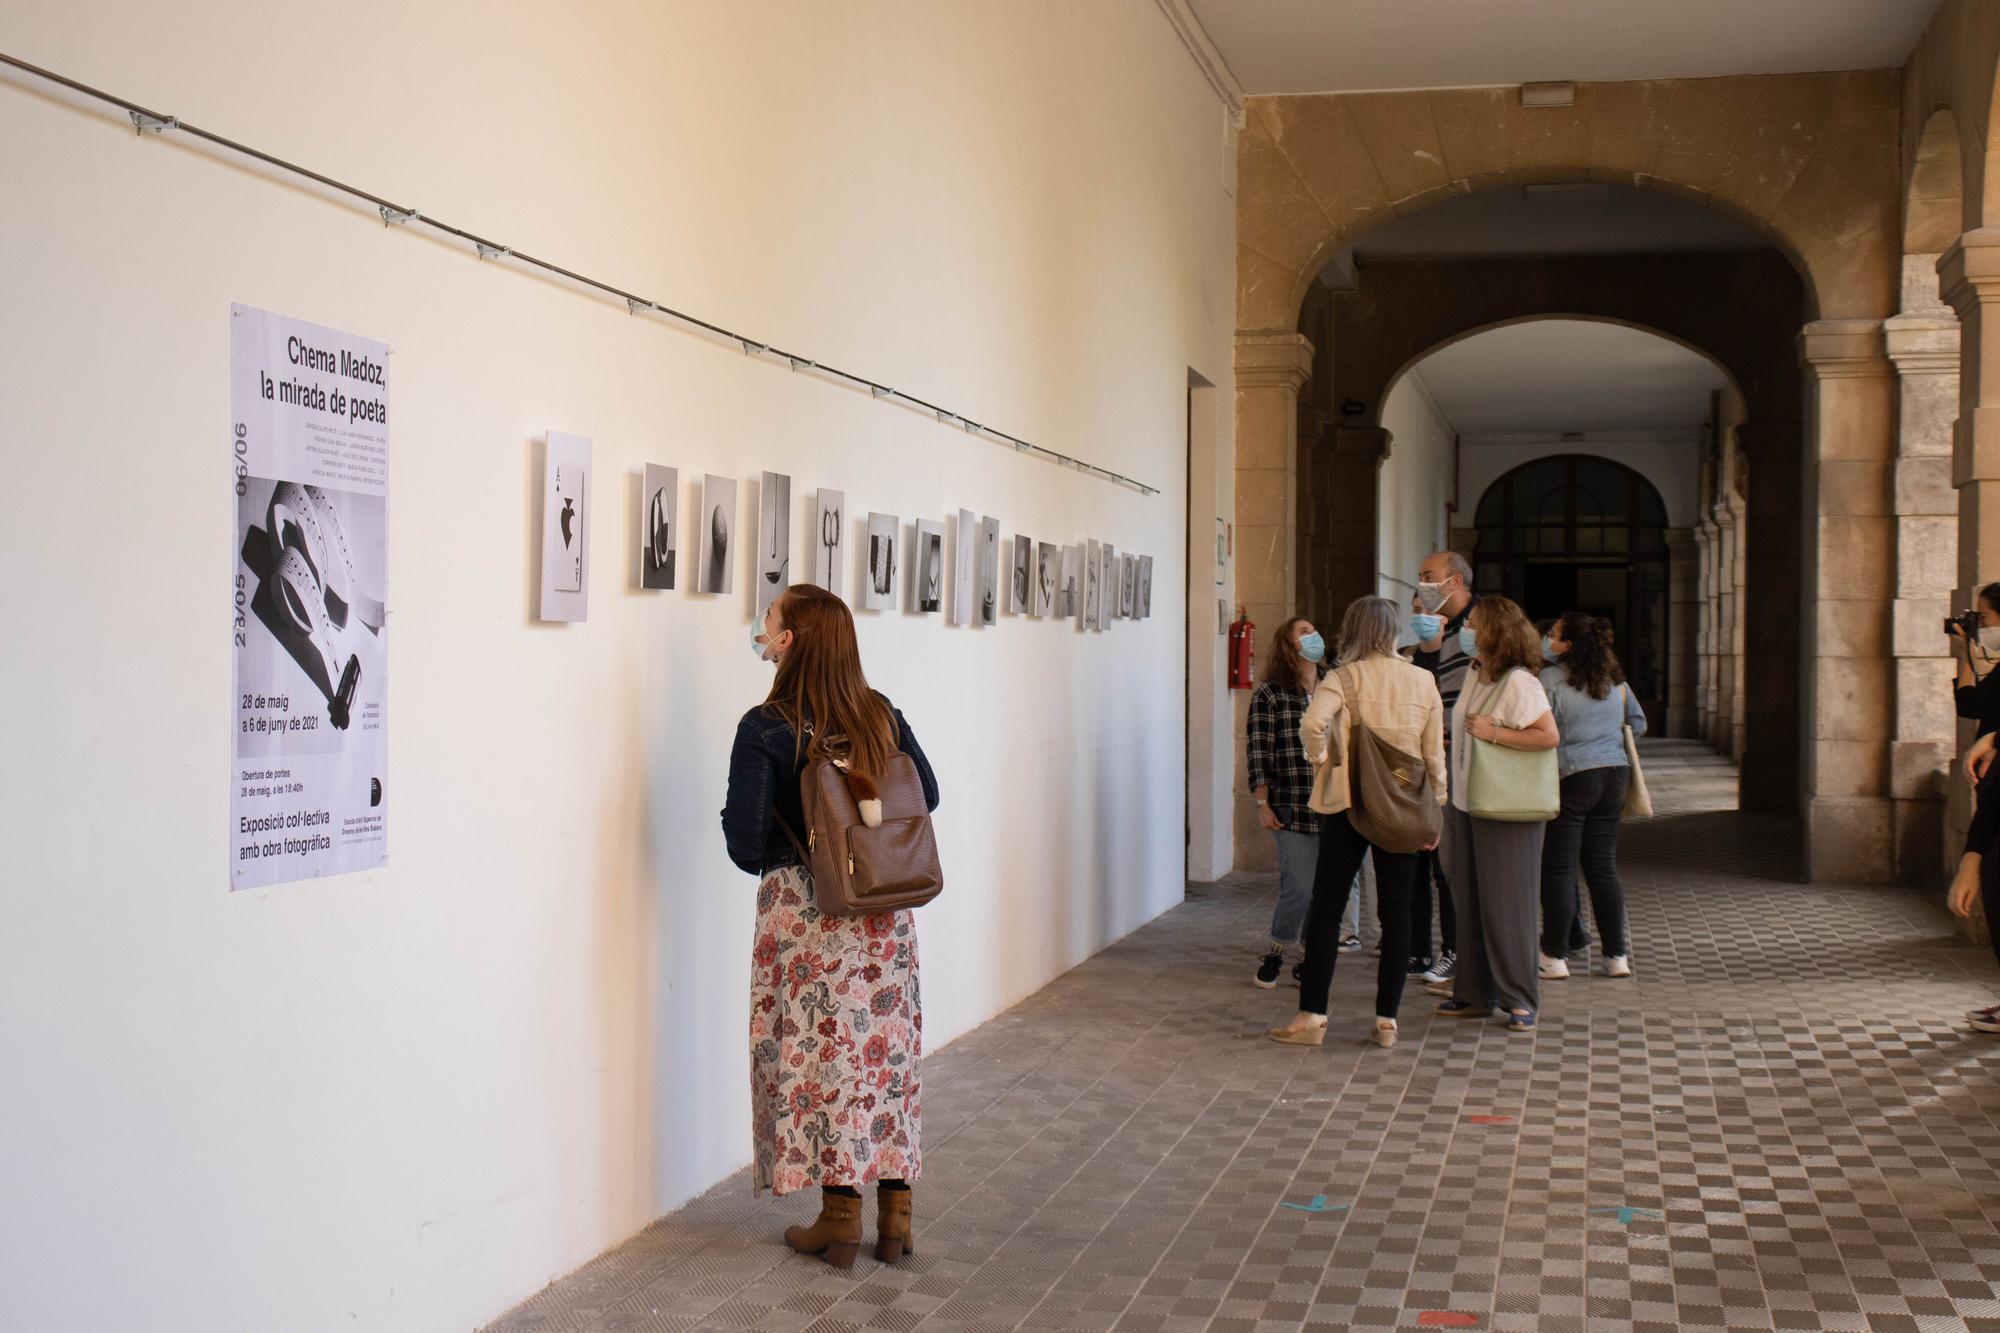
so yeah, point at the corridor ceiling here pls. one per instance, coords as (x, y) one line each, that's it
(1312, 46)
(1558, 375)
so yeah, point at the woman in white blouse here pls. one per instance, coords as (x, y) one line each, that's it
(1496, 867)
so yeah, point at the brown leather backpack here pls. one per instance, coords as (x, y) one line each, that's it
(1391, 801)
(869, 843)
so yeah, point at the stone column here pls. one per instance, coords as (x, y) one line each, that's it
(1849, 673)
(1969, 275)
(1683, 623)
(1704, 639)
(1922, 342)
(1734, 664)
(1270, 370)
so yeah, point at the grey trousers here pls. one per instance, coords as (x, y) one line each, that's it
(1496, 885)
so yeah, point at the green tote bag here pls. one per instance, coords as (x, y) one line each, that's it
(1510, 786)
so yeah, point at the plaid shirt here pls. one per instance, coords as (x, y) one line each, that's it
(1278, 756)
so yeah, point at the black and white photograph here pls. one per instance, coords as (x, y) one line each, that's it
(829, 540)
(1093, 601)
(927, 578)
(661, 497)
(716, 537)
(878, 590)
(1128, 584)
(1020, 584)
(774, 538)
(1145, 587)
(566, 514)
(989, 570)
(1108, 606)
(964, 566)
(1068, 593)
(1048, 572)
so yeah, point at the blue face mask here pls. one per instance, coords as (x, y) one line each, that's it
(1549, 654)
(1312, 647)
(1468, 642)
(1426, 626)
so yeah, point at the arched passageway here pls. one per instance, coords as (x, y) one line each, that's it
(1725, 295)
(1570, 532)
(1818, 195)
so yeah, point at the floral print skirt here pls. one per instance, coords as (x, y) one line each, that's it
(836, 1026)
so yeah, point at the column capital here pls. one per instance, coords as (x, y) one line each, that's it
(1969, 272)
(1844, 348)
(1273, 360)
(1922, 344)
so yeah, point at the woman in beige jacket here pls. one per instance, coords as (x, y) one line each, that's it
(1399, 703)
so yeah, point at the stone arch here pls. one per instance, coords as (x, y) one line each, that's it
(1746, 323)
(1934, 187)
(1316, 172)
(1812, 161)
(1693, 672)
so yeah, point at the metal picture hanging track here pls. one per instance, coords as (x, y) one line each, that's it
(145, 121)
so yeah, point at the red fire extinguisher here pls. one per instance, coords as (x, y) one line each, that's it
(1242, 650)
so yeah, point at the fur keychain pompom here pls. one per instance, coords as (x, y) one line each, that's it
(866, 799)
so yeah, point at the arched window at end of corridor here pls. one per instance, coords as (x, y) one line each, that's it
(1572, 532)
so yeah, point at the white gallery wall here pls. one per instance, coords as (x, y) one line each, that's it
(1413, 487)
(404, 1099)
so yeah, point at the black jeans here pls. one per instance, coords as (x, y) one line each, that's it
(1340, 853)
(1430, 876)
(1585, 829)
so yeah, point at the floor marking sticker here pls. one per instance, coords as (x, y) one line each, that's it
(1626, 1214)
(1491, 1119)
(1318, 1205)
(1448, 1319)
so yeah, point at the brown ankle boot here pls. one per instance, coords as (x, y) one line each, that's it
(893, 1234)
(835, 1235)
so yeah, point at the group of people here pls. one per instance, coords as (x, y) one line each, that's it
(1507, 899)
(836, 1017)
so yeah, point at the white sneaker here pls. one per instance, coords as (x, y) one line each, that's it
(1385, 1032)
(1554, 969)
(1618, 965)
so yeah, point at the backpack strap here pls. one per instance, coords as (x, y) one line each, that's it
(804, 860)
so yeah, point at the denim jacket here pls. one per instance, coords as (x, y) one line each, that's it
(764, 768)
(1593, 730)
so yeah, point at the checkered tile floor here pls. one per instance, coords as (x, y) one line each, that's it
(1779, 1124)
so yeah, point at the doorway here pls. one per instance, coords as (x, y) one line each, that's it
(1573, 532)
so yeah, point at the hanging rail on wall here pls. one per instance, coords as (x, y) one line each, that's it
(145, 121)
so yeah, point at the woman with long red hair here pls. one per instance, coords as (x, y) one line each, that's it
(836, 1019)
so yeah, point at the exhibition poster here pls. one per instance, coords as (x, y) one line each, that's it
(310, 463)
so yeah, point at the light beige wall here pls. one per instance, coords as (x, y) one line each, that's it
(404, 1099)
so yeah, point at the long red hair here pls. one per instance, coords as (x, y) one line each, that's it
(819, 681)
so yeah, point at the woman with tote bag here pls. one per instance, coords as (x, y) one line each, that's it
(1503, 793)
(1594, 712)
(1374, 735)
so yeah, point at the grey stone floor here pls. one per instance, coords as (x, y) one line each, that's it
(1781, 1123)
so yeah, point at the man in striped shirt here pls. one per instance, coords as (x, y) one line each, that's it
(1444, 599)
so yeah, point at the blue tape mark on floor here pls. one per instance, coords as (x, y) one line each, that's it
(1626, 1214)
(1318, 1205)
